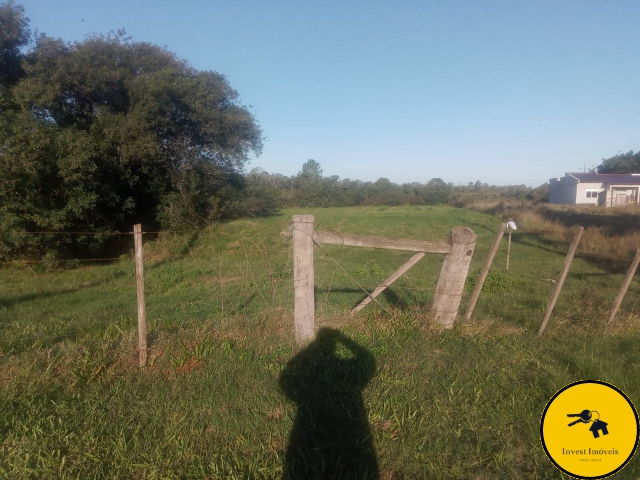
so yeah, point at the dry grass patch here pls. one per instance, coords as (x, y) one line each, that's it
(490, 328)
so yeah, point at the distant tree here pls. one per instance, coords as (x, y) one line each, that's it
(383, 183)
(621, 163)
(539, 194)
(436, 182)
(311, 170)
(437, 192)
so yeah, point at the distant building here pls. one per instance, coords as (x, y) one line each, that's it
(610, 190)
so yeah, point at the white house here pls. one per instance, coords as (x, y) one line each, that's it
(606, 189)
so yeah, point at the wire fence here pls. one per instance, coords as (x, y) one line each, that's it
(64, 304)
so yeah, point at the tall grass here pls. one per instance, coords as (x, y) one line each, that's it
(598, 239)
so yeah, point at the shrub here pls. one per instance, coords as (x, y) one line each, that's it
(496, 281)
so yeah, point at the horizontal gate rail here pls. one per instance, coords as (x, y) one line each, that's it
(348, 240)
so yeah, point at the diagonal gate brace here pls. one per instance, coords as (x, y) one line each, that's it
(396, 275)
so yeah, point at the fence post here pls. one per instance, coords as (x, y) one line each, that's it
(485, 269)
(142, 311)
(453, 275)
(303, 282)
(508, 250)
(563, 275)
(623, 290)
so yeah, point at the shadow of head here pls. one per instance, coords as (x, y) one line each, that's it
(331, 437)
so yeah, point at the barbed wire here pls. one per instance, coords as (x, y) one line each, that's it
(55, 232)
(537, 312)
(251, 279)
(43, 315)
(61, 260)
(40, 338)
(568, 315)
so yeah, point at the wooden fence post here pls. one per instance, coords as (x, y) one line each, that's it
(508, 250)
(485, 269)
(563, 275)
(623, 290)
(142, 312)
(453, 275)
(303, 282)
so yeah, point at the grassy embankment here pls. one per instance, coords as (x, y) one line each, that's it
(459, 404)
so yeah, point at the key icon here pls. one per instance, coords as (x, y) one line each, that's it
(584, 417)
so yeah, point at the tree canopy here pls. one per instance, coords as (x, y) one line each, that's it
(621, 163)
(311, 170)
(14, 35)
(99, 134)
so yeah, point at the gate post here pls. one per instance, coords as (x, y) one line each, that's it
(452, 276)
(304, 309)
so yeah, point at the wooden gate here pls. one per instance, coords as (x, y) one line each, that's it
(458, 251)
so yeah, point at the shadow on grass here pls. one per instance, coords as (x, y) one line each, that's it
(188, 245)
(401, 301)
(561, 248)
(267, 214)
(8, 302)
(616, 225)
(404, 301)
(331, 437)
(537, 240)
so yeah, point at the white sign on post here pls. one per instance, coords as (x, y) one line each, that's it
(511, 225)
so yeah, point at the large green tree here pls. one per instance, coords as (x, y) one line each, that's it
(107, 132)
(621, 163)
(14, 36)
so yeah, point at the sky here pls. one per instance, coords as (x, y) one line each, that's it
(506, 92)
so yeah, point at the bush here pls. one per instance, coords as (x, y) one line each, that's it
(496, 281)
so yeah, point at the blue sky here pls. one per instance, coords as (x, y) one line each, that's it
(506, 92)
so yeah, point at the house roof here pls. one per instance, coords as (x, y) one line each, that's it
(610, 178)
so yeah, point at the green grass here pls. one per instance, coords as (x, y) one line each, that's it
(464, 403)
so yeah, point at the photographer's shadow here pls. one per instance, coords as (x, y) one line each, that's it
(331, 438)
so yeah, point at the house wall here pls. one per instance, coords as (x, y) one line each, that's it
(581, 193)
(563, 190)
(630, 192)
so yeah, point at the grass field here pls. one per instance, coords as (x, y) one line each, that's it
(215, 401)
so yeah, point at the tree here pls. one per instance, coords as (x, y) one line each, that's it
(311, 170)
(261, 193)
(14, 35)
(437, 192)
(621, 163)
(108, 132)
(436, 182)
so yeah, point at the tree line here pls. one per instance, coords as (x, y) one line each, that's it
(309, 188)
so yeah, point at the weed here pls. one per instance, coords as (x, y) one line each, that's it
(496, 281)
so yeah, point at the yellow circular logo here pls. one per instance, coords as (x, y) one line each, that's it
(589, 429)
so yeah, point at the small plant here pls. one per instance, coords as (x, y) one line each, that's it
(373, 270)
(50, 260)
(280, 270)
(496, 281)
